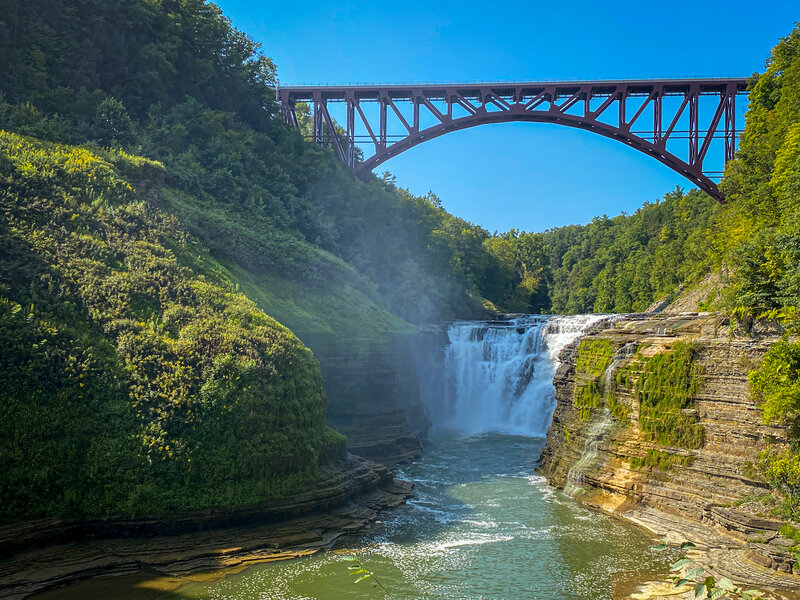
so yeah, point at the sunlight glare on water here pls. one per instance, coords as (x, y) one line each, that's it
(482, 525)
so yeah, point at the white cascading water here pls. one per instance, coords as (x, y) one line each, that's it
(499, 374)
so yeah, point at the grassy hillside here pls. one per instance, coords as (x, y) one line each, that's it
(140, 372)
(136, 378)
(174, 81)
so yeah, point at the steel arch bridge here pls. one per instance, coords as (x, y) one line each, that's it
(644, 114)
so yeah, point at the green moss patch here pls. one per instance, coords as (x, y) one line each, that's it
(664, 389)
(594, 357)
(663, 461)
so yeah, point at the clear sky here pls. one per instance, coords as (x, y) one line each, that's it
(522, 175)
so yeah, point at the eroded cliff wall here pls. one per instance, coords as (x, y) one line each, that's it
(374, 393)
(655, 423)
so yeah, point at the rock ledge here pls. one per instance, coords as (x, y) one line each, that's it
(42, 555)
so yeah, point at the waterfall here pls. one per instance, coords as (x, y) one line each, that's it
(499, 374)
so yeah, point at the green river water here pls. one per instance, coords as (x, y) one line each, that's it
(482, 525)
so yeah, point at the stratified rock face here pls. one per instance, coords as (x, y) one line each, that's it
(374, 397)
(703, 490)
(39, 555)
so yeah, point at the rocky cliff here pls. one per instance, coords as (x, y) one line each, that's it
(655, 423)
(40, 555)
(374, 394)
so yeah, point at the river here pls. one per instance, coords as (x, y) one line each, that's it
(482, 524)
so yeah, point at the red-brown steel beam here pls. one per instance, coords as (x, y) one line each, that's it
(536, 102)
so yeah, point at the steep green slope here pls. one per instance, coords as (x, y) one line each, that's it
(759, 236)
(173, 81)
(135, 377)
(759, 232)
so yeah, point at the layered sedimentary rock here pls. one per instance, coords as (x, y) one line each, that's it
(700, 483)
(374, 395)
(36, 556)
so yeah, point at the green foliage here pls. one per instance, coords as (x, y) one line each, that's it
(140, 52)
(66, 444)
(776, 387)
(759, 230)
(664, 390)
(625, 263)
(594, 357)
(620, 264)
(135, 380)
(700, 582)
(790, 532)
(356, 568)
(663, 461)
(520, 282)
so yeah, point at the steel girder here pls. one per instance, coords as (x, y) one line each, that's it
(588, 105)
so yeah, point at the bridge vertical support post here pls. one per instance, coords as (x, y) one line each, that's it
(694, 124)
(730, 124)
(623, 98)
(382, 137)
(658, 121)
(318, 134)
(351, 133)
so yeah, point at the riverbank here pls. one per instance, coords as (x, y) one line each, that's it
(346, 501)
(708, 492)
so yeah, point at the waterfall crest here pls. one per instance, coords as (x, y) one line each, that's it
(499, 374)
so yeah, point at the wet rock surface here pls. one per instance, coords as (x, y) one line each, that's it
(716, 500)
(38, 556)
(374, 395)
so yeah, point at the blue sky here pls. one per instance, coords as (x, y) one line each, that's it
(522, 175)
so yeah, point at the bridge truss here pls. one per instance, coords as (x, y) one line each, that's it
(677, 122)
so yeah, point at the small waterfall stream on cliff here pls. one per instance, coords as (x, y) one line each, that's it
(598, 430)
(499, 374)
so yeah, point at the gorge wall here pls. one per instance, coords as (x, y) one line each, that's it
(680, 461)
(374, 392)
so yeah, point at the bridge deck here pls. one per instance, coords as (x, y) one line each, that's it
(506, 90)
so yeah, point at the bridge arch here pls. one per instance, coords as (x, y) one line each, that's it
(574, 104)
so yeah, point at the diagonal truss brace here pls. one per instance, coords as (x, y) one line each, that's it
(585, 105)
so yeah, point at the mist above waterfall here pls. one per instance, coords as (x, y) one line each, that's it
(499, 374)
